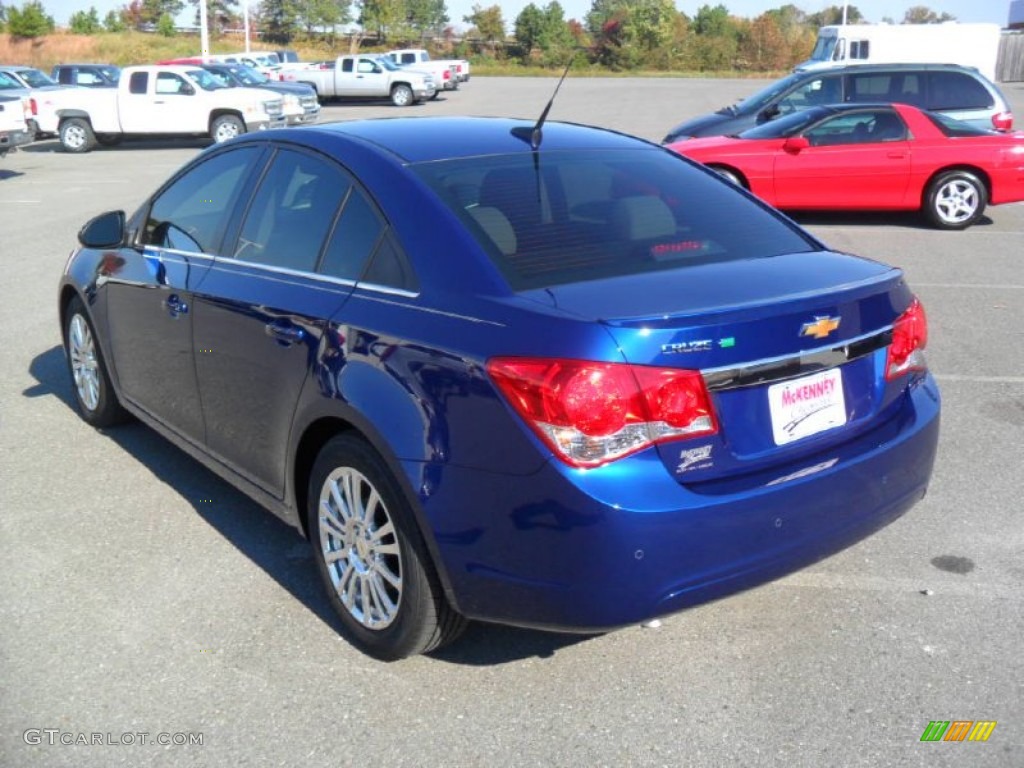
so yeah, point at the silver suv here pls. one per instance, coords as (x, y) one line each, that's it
(960, 92)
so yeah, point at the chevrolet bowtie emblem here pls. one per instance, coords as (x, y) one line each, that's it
(820, 328)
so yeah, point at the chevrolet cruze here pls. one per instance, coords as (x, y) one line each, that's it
(552, 376)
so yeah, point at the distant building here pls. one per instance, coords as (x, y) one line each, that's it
(1016, 17)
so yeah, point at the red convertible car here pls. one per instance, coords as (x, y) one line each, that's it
(871, 157)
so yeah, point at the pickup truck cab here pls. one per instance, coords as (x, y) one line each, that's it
(160, 101)
(366, 76)
(14, 130)
(420, 57)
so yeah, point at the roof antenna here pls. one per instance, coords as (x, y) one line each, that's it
(535, 135)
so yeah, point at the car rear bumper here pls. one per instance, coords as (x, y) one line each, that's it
(596, 549)
(11, 139)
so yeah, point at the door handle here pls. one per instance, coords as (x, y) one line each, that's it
(175, 306)
(896, 155)
(285, 333)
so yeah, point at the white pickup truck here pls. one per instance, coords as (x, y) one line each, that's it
(420, 57)
(14, 131)
(159, 101)
(445, 74)
(367, 76)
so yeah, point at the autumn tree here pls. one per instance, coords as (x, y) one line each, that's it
(113, 22)
(834, 15)
(488, 22)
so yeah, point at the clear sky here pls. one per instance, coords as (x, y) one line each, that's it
(873, 10)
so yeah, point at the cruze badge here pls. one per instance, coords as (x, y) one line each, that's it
(821, 327)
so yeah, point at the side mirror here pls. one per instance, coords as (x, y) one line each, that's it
(796, 144)
(770, 112)
(188, 90)
(103, 231)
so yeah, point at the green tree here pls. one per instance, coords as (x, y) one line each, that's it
(85, 22)
(278, 20)
(150, 11)
(489, 22)
(922, 14)
(113, 22)
(545, 31)
(165, 25)
(323, 14)
(382, 16)
(628, 33)
(426, 16)
(713, 22)
(31, 20)
(219, 13)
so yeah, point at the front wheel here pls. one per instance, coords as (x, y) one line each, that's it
(402, 96)
(226, 127)
(955, 200)
(728, 174)
(371, 556)
(76, 135)
(94, 394)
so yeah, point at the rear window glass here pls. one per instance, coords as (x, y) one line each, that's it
(955, 128)
(566, 217)
(955, 90)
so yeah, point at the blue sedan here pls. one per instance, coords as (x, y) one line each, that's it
(558, 378)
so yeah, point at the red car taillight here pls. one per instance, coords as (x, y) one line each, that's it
(591, 413)
(1003, 121)
(909, 338)
(34, 107)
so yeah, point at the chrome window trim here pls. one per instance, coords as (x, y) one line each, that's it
(786, 367)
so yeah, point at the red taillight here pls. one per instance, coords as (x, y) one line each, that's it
(33, 106)
(591, 413)
(909, 338)
(1003, 121)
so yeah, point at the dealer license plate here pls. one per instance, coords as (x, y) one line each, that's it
(806, 406)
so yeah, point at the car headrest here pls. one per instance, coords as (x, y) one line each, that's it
(497, 226)
(641, 217)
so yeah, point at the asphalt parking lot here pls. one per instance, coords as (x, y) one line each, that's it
(144, 600)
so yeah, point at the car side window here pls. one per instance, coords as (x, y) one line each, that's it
(367, 66)
(138, 83)
(390, 268)
(346, 65)
(820, 90)
(190, 214)
(865, 127)
(170, 83)
(88, 78)
(957, 90)
(292, 212)
(357, 233)
(870, 87)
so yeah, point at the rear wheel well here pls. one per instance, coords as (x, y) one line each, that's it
(723, 167)
(984, 177)
(313, 440)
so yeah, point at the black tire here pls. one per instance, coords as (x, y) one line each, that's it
(729, 175)
(402, 95)
(109, 139)
(226, 127)
(76, 135)
(97, 402)
(955, 200)
(371, 556)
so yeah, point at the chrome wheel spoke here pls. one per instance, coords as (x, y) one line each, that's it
(84, 366)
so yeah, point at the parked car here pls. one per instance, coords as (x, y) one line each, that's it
(87, 75)
(418, 58)
(154, 101)
(366, 77)
(14, 130)
(553, 377)
(959, 92)
(871, 156)
(43, 93)
(300, 102)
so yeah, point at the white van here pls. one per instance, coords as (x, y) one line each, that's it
(970, 45)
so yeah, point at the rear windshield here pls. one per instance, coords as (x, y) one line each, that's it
(956, 128)
(560, 217)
